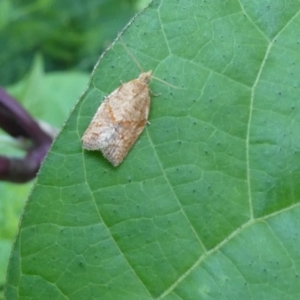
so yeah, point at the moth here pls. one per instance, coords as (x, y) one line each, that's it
(120, 119)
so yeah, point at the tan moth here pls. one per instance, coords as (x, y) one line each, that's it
(120, 119)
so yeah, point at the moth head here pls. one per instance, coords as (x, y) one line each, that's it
(145, 77)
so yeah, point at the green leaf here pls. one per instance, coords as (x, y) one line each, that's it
(11, 205)
(206, 204)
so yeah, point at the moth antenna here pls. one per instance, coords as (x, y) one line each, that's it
(131, 55)
(167, 83)
(140, 67)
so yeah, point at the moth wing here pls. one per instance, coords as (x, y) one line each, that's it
(119, 121)
(126, 134)
(101, 130)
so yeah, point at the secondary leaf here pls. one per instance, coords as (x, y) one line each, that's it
(205, 206)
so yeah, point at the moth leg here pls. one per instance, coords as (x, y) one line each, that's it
(154, 94)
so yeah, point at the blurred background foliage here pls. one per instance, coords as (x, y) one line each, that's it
(48, 50)
(70, 34)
